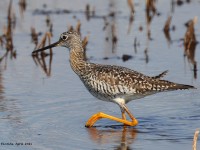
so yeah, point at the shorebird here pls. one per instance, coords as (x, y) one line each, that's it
(111, 83)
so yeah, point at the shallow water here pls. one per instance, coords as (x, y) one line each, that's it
(49, 112)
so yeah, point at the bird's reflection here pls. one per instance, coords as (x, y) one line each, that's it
(122, 136)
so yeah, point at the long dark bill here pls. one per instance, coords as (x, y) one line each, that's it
(47, 47)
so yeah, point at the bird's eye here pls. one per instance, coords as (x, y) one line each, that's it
(64, 37)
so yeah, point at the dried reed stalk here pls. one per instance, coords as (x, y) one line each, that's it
(194, 146)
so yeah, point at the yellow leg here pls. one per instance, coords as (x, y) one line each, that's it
(101, 115)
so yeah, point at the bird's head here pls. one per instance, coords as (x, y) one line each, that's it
(67, 39)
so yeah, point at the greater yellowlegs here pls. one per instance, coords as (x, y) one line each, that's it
(111, 83)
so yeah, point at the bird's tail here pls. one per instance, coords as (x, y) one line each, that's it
(164, 85)
(181, 87)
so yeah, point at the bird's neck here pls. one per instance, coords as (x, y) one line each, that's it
(78, 59)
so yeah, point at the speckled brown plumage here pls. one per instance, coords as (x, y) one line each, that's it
(108, 82)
